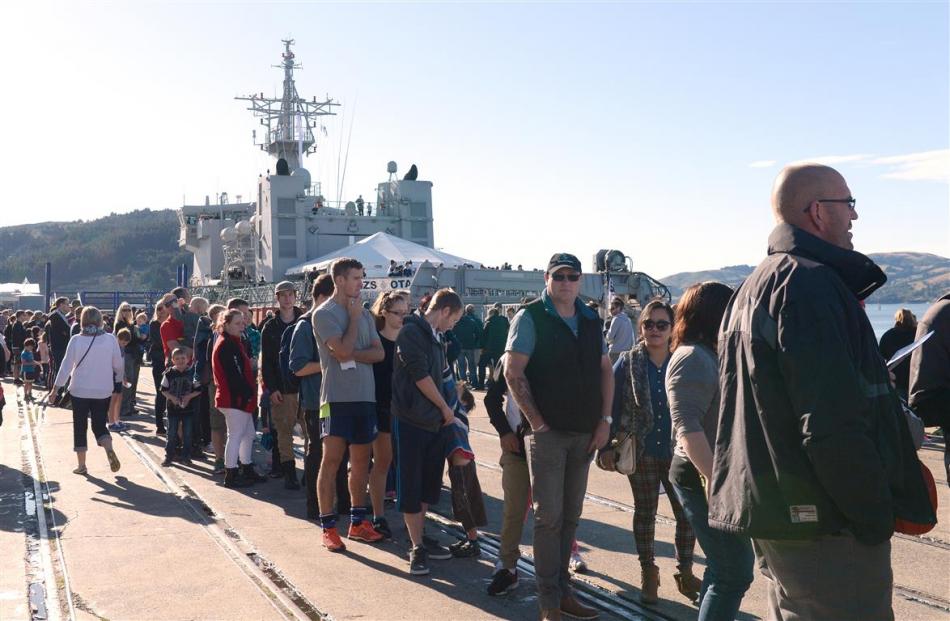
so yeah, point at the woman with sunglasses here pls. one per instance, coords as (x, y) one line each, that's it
(156, 356)
(692, 383)
(389, 309)
(641, 407)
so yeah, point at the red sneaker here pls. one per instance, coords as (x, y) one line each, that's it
(364, 532)
(332, 541)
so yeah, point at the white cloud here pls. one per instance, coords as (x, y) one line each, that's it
(762, 164)
(922, 166)
(828, 160)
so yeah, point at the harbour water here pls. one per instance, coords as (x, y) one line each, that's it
(882, 315)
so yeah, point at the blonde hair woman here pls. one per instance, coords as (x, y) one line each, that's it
(91, 364)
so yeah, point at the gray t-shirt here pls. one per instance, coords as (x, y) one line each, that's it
(620, 335)
(692, 387)
(339, 385)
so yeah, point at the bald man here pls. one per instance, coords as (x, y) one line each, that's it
(813, 459)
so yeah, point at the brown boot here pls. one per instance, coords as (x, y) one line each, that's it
(688, 584)
(573, 608)
(550, 614)
(649, 584)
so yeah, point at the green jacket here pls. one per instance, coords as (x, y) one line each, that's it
(495, 335)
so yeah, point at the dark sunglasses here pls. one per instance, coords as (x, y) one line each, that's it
(563, 277)
(661, 325)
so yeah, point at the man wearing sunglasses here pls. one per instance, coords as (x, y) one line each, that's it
(559, 374)
(813, 458)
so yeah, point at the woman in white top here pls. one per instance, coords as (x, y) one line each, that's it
(92, 364)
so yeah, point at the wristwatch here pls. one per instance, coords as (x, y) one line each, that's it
(608, 419)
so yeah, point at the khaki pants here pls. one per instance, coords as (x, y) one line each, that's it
(285, 415)
(833, 577)
(516, 484)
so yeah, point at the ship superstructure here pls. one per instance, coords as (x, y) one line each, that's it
(291, 221)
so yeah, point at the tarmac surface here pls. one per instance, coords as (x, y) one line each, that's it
(155, 543)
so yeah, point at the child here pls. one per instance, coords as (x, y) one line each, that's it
(124, 337)
(180, 388)
(468, 506)
(28, 368)
(42, 354)
(141, 322)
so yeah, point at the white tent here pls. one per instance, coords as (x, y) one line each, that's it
(375, 252)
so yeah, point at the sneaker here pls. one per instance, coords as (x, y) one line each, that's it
(503, 581)
(186, 461)
(365, 532)
(390, 496)
(418, 561)
(218, 466)
(332, 541)
(577, 563)
(435, 550)
(114, 464)
(113, 427)
(167, 462)
(382, 527)
(209, 448)
(465, 548)
(160, 431)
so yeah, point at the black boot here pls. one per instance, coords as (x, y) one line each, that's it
(290, 475)
(233, 479)
(250, 475)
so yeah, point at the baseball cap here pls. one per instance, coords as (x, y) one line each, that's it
(284, 285)
(563, 259)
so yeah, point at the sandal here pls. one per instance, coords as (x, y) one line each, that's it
(113, 460)
(80, 470)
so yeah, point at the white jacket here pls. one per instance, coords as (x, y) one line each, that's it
(101, 368)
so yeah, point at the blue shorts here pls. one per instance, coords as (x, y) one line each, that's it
(354, 422)
(420, 461)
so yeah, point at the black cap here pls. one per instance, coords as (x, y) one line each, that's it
(563, 259)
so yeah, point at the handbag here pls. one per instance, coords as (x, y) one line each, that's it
(624, 448)
(63, 399)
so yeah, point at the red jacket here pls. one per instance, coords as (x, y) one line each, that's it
(231, 367)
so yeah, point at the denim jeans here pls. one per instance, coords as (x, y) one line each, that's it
(729, 558)
(467, 371)
(172, 438)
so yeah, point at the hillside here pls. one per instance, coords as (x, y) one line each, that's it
(131, 251)
(911, 277)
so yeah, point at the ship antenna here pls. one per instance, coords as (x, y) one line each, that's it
(349, 137)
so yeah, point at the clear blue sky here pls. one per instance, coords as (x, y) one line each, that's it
(655, 128)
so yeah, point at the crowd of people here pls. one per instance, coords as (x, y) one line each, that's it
(766, 413)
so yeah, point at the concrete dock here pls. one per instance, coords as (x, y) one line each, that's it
(153, 543)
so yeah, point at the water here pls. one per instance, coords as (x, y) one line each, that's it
(882, 315)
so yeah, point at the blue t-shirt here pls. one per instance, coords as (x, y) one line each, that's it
(303, 350)
(27, 361)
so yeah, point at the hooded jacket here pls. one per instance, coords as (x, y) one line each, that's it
(811, 438)
(419, 354)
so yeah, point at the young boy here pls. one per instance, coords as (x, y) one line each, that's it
(28, 368)
(180, 388)
(124, 337)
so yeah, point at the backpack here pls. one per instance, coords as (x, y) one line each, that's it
(288, 378)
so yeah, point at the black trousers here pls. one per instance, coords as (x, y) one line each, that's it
(157, 370)
(202, 425)
(311, 469)
(83, 411)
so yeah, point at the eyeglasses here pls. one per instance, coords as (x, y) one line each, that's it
(397, 313)
(851, 202)
(660, 326)
(563, 277)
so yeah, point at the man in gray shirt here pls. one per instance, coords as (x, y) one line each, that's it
(348, 345)
(620, 334)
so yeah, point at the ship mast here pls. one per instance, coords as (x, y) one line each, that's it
(290, 120)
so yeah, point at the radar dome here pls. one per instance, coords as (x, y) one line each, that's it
(391, 167)
(304, 174)
(228, 234)
(243, 227)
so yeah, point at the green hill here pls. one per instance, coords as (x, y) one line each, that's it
(130, 251)
(911, 277)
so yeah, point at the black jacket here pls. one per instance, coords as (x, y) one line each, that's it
(270, 352)
(57, 328)
(419, 354)
(811, 437)
(495, 405)
(930, 367)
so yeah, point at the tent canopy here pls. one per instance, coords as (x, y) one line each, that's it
(375, 252)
